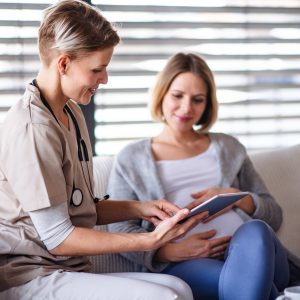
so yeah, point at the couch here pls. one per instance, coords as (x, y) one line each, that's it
(279, 168)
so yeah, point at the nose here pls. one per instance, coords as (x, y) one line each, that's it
(186, 105)
(103, 78)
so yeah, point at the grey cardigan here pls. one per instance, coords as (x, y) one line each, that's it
(134, 176)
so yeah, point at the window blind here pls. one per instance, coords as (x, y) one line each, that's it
(251, 46)
(19, 62)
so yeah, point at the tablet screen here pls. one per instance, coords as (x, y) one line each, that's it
(216, 203)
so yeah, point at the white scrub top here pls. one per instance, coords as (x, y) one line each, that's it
(38, 167)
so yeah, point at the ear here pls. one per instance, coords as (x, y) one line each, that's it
(63, 62)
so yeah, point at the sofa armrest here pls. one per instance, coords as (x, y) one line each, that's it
(280, 170)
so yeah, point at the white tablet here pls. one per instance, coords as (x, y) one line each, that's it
(216, 203)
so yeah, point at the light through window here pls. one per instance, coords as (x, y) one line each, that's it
(252, 47)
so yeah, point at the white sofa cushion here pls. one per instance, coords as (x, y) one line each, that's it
(102, 168)
(107, 263)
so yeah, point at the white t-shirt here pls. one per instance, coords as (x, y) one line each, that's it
(180, 178)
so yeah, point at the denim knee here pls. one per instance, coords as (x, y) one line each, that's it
(255, 230)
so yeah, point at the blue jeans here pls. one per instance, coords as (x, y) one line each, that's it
(255, 267)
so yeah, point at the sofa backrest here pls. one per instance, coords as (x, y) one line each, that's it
(280, 170)
(102, 168)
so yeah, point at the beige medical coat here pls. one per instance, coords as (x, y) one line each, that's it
(38, 166)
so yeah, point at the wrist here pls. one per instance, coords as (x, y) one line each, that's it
(135, 209)
(166, 253)
(247, 205)
(146, 240)
(138, 211)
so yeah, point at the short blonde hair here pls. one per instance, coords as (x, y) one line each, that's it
(182, 63)
(73, 27)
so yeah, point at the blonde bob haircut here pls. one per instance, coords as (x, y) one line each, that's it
(182, 63)
(74, 27)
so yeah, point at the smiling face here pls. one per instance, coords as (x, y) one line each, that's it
(185, 102)
(82, 76)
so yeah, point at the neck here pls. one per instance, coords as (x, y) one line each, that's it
(168, 135)
(50, 87)
(51, 91)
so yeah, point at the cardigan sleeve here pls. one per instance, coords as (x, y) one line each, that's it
(267, 209)
(239, 172)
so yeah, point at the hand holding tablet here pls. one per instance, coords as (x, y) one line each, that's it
(216, 203)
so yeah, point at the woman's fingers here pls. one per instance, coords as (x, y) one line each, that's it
(165, 209)
(205, 235)
(168, 207)
(157, 211)
(219, 251)
(198, 194)
(180, 215)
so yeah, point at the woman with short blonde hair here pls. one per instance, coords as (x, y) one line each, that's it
(48, 208)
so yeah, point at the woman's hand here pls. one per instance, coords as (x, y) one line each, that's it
(195, 246)
(246, 204)
(157, 211)
(111, 211)
(206, 194)
(169, 229)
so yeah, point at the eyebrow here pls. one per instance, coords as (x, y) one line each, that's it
(101, 66)
(176, 90)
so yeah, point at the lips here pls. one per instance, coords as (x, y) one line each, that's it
(183, 118)
(93, 90)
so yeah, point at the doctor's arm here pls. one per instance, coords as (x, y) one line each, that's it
(62, 238)
(111, 211)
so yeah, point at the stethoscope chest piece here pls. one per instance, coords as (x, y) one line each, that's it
(77, 197)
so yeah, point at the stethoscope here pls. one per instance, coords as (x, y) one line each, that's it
(83, 155)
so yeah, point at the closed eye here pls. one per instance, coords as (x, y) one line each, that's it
(177, 96)
(97, 70)
(198, 100)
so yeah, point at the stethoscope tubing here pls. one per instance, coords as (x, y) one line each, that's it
(77, 195)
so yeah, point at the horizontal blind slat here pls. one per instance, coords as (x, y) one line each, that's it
(253, 51)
